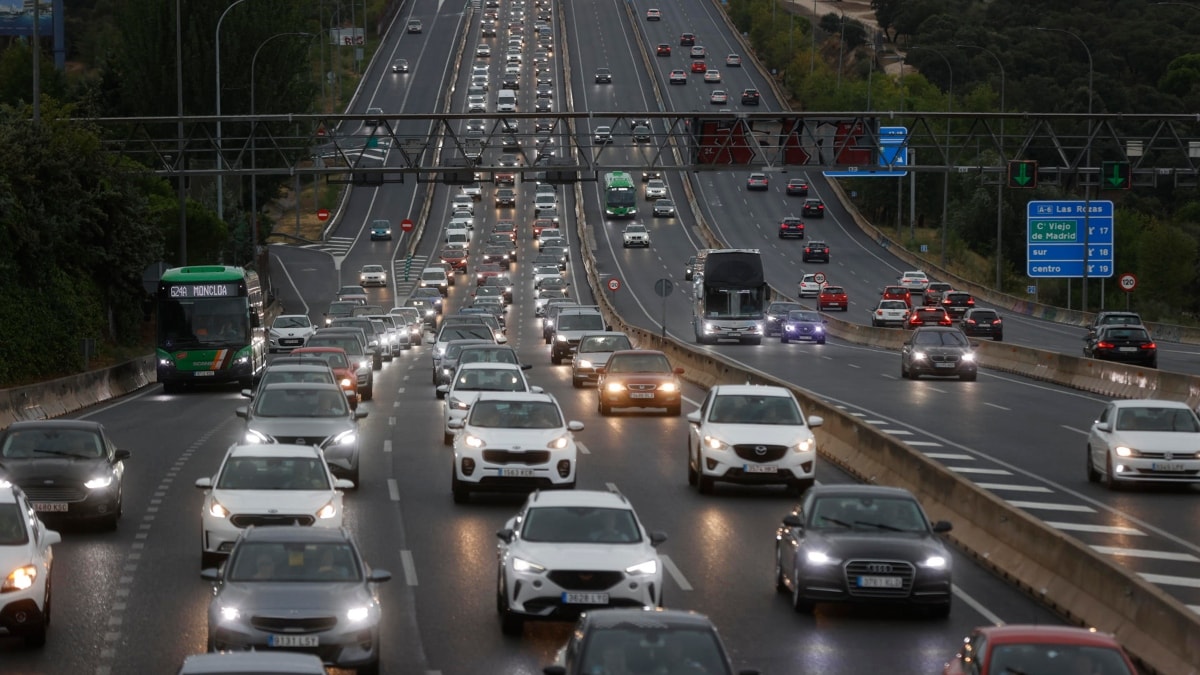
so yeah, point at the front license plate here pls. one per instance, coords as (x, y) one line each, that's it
(1163, 466)
(204, 373)
(516, 473)
(1128, 349)
(60, 507)
(293, 641)
(761, 468)
(585, 598)
(880, 582)
(943, 365)
(641, 395)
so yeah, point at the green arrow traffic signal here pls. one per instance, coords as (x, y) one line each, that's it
(1022, 173)
(1115, 176)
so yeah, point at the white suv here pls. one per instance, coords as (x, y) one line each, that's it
(567, 552)
(513, 442)
(266, 484)
(751, 434)
(26, 560)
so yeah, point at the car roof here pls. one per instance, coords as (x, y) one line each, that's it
(514, 396)
(752, 390)
(593, 498)
(8, 495)
(252, 662)
(650, 617)
(272, 450)
(319, 349)
(311, 386)
(311, 364)
(858, 490)
(1154, 402)
(489, 365)
(1014, 633)
(78, 425)
(290, 533)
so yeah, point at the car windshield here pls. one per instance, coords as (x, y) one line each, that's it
(893, 514)
(578, 321)
(639, 363)
(349, 344)
(809, 316)
(516, 415)
(834, 290)
(475, 332)
(287, 402)
(783, 307)
(941, 338)
(1149, 418)
(30, 443)
(489, 379)
(291, 322)
(273, 473)
(1051, 659)
(580, 524)
(1121, 319)
(334, 359)
(755, 409)
(603, 343)
(12, 526)
(641, 649)
(893, 304)
(294, 562)
(503, 355)
(305, 374)
(984, 316)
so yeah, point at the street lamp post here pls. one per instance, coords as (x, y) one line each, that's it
(999, 184)
(841, 50)
(1087, 188)
(946, 176)
(812, 29)
(220, 179)
(254, 151)
(179, 162)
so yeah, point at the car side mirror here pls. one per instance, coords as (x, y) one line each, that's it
(204, 483)
(678, 371)
(241, 411)
(574, 425)
(657, 538)
(455, 424)
(693, 417)
(430, 340)
(379, 576)
(942, 526)
(121, 455)
(359, 414)
(51, 537)
(537, 390)
(443, 389)
(343, 484)
(210, 574)
(599, 370)
(247, 393)
(505, 535)
(793, 520)
(815, 420)
(526, 366)
(1104, 426)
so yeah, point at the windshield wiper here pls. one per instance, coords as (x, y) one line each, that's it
(879, 526)
(60, 453)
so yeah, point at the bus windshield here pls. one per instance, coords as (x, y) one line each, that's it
(722, 303)
(622, 197)
(204, 322)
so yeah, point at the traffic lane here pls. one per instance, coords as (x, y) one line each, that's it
(305, 280)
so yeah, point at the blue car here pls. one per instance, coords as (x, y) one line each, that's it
(381, 230)
(802, 325)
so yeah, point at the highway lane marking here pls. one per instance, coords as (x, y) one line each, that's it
(1013, 488)
(931, 444)
(976, 605)
(1170, 580)
(1144, 553)
(1078, 431)
(583, 450)
(876, 422)
(971, 469)
(897, 432)
(393, 490)
(410, 567)
(612, 487)
(392, 420)
(387, 445)
(949, 455)
(853, 365)
(940, 391)
(997, 406)
(400, 390)
(1047, 506)
(677, 575)
(1099, 529)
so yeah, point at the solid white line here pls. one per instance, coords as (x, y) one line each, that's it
(387, 445)
(1100, 529)
(1078, 431)
(1045, 506)
(976, 605)
(969, 469)
(897, 432)
(1143, 553)
(612, 487)
(949, 455)
(1168, 580)
(930, 444)
(859, 414)
(997, 406)
(876, 422)
(1014, 488)
(671, 569)
(410, 567)
(393, 490)
(392, 420)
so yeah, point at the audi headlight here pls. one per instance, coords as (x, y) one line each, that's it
(806, 445)
(230, 613)
(669, 387)
(356, 614)
(99, 482)
(558, 443)
(614, 386)
(326, 512)
(216, 510)
(819, 558)
(918, 356)
(648, 567)
(520, 565)
(19, 579)
(473, 441)
(935, 562)
(345, 438)
(714, 443)
(969, 356)
(253, 436)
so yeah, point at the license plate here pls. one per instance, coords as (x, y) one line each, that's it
(943, 365)
(1128, 349)
(1167, 466)
(585, 598)
(205, 373)
(761, 468)
(517, 473)
(641, 395)
(60, 507)
(880, 582)
(293, 641)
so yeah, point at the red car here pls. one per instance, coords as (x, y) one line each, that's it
(897, 293)
(343, 368)
(833, 297)
(928, 316)
(663, 50)
(542, 224)
(995, 650)
(456, 258)
(791, 226)
(699, 67)
(484, 271)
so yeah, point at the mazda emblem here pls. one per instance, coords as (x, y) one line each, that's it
(760, 449)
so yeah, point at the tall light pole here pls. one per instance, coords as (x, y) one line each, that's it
(841, 50)
(220, 178)
(179, 132)
(812, 29)
(1087, 188)
(254, 152)
(946, 176)
(999, 184)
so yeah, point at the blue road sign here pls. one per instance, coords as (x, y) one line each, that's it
(892, 152)
(1055, 238)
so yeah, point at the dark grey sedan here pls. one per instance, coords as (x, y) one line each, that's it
(306, 413)
(862, 543)
(937, 350)
(297, 588)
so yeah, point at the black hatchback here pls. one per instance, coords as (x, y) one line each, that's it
(1126, 344)
(979, 322)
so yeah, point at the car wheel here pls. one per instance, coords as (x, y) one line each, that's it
(461, 494)
(371, 668)
(439, 395)
(576, 383)
(368, 393)
(604, 408)
(797, 488)
(783, 339)
(821, 341)
(754, 341)
(903, 371)
(376, 363)
(353, 477)
(110, 521)
(447, 439)
(780, 583)
(692, 476)
(800, 604)
(555, 359)
(703, 483)
(510, 622)
(1093, 475)
(1110, 480)
(172, 387)
(997, 338)
(433, 377)
(968, 377)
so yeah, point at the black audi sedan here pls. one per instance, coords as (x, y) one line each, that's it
(862, 544)
(68, 469)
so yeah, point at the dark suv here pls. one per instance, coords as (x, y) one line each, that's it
(750, 97)
(980, 322)
(816, 251)
(776, 313)
(791, 227)
(956, 303)
(1115, 319)
(813, 208)
(938, 350)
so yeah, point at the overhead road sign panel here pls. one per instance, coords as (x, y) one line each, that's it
(1057, 243)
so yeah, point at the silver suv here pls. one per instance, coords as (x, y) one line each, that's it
(570, 326)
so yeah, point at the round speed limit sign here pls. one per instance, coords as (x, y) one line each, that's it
(614, 285)
(1128, 281)
(819, 277)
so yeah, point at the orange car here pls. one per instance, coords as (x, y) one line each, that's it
(343, 368)
(993, 650)
(897, 293)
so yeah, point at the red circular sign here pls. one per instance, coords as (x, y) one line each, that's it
(320, 131)
(1128, 281)
(406, 225)
(819, 277)
(614, 285)
(322, 215)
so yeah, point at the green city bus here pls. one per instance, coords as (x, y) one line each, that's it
(620, 195)
(210, 326)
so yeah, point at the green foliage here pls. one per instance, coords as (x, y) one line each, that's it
(1166, 264)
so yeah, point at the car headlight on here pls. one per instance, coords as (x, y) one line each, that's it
(4, 483)
(253, 436)
(520, 565)
(708, 327)
(99, 482)
(818, 329)
(326, 512)
(614, 386)
(818, 558)
(648, 567)
(558, 443)
(473, 441)
(714, 443)
(230, 613)
(806, 445)
(757, 327)
(583, 363)
(346, 383)
(429, 312)
(669, 387)
(969, 356)
(356, 614)
(918, 356)
(441, 351)
(1125, 451)
(934, 562)
(560, 338)
(19, 579)
(347, 437)
(216, 510)
(242, 360)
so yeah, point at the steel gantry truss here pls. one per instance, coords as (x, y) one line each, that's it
(392, 148)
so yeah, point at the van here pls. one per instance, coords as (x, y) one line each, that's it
(506, 101)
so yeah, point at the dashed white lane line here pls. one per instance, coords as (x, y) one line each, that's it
(671, 569)
(897, 432)
(393, 490)
(972, 469)
(1013, 488)
(949, 455)
(925, 444)
(583, 449)
(1081, 432)
(410, 567)
(997, 406)
(1098, 529)
(387, 445)
(1046, 506)
(1144, 553)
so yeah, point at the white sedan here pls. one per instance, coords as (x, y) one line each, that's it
(472, 379)
(543, 271)
(513, 442)
(557, 533)
(1144, 440)
(914, 281)
(266, 484)
(751, 434)
(810, 287)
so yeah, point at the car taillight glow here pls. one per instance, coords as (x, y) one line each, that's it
(1104, 345)
(1149, 345)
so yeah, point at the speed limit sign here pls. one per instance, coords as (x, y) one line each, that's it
(1128, 281)
(614, 285)
(819, 277)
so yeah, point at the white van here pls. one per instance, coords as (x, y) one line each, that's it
(506, 101)
(435, 277)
